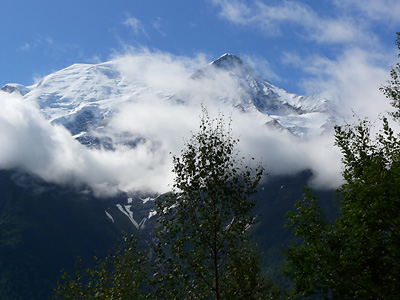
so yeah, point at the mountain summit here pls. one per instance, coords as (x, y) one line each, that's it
(301, 115)
(228, 62)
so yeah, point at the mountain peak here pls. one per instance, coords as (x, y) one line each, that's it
(228, 61)
(16, 88)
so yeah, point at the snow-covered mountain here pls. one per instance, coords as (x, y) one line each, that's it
(83, 98)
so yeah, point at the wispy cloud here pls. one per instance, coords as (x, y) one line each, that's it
(386, 11)
(271, 19)
(26, 47)
(50, 47)
(135, 26)
(157, 25)
(261, 65)
(352, 79)
(39, 42)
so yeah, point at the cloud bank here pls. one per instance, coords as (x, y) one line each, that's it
(31, 143)
(160, 124)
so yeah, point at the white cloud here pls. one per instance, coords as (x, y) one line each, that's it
(386, 11)
(268, 17)
(353, 79)
(261, 65)
(271, 18)
(166, 125)
(234, 10)
(31, 143)
(94, 59)
(157, 25)
(135, 25)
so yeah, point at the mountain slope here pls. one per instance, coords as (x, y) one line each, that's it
(44, 228)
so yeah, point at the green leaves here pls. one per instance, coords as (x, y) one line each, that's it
(122, 275)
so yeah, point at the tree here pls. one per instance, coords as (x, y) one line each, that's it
(357, 256)
(204, 251)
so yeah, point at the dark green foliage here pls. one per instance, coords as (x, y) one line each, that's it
(121, 276)
(357, 256)
(203, 247)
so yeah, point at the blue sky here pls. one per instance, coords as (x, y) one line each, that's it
(302, 46)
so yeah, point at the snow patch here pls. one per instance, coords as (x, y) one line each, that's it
(152, 213)
(109, 216)
(147, 199)
(126, 210)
